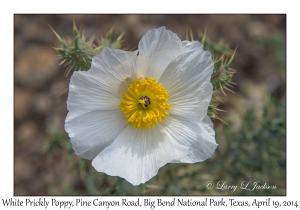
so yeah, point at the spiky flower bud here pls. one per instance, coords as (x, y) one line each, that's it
(77, 53)
(108, 41)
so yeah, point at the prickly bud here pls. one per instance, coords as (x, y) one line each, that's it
(222, 73)
(77, 53)
(108, 41)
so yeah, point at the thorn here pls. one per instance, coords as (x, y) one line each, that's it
(91, 39)
(83, 36)
(220, 110)
(217, 117)
(114, 25)
(58, 49)
(225, 61)
(110, 32)
(204, 36)
(119, 39)
(75, 30)
(122, 41)
(73, 21)
(231, 71)
(222, 89)
(229, 90)
(191, 34)
(80, 29)
(56, 34)
(61, 63)
(62, 93)
(213, 58)
(229, 85)
(134, 48)
(69, 69)
(232, 57)
(187, 33)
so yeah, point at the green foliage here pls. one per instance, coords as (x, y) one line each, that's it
(277, 44)
(257, 151)
(58, 140)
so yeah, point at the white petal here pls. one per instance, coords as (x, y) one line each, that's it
(187, 78)
(137, 154)
(118, 64)
(101, 87)
(188, 45)
(90, 133)
(199, 137)
(156, 50)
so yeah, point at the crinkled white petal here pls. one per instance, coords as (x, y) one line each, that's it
(187, 79)
(118, 64)
(199, 137)
(91, 132)
(101, 87)
(137, 154)
(156, 50)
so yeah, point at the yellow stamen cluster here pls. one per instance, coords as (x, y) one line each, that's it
(145, 104)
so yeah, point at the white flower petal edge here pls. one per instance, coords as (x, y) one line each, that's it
(91, 132)
(202, 147)
(100, 87)
(190, 45)
(137, 154)
(157, 48)
(187, 79)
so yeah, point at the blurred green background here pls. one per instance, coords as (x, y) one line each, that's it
(252, 147)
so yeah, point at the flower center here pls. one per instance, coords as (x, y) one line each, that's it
(145, 103)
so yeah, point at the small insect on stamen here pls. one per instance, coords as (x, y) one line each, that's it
(146, 101)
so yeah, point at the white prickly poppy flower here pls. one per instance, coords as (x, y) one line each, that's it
(134, 112)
